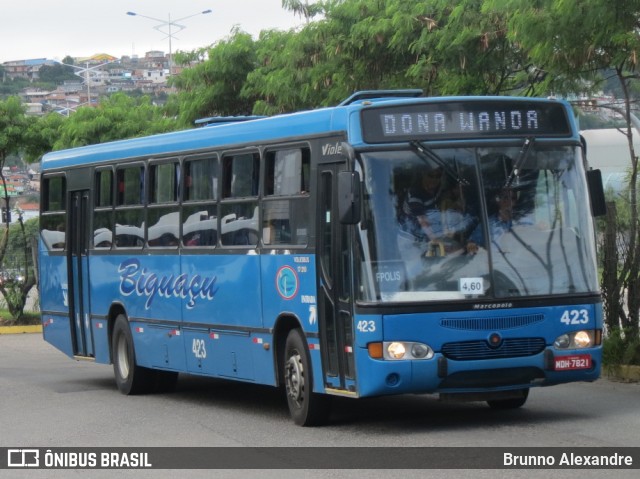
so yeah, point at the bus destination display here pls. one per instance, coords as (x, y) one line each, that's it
(463, 120)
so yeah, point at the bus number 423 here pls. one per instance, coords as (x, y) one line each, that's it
(366, 326)
(575, 316)
(199, 349)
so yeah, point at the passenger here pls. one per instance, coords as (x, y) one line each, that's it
(500, 222)
(421, 208)
(433, 214)
(457, 223)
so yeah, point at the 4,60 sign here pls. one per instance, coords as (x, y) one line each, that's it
(471, 286)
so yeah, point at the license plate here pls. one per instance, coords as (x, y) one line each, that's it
(577, 361)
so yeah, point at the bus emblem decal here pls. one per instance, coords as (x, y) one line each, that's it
(287, 282)
(133, 279)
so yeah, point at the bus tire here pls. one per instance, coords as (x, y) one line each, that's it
(513, 403)
(130, 378)
(306, 407)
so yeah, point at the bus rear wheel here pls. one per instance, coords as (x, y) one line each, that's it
(130, 378)
(306, 407)
(512, 403)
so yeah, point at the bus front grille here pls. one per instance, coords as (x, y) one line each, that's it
(491, 324)
(509, 348)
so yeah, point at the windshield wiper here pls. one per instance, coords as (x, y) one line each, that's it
(522, 156)
(426, 153)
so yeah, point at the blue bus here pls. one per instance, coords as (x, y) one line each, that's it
(359, 250)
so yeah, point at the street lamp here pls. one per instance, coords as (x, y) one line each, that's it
(169, 24)
(84, 74)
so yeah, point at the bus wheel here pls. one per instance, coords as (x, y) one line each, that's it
(306, 407)
(513, 403)
(130, 378)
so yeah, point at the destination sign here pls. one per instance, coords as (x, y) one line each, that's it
(458, 119)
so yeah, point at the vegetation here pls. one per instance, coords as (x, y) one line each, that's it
(118, 117)
(13, 87)
(14, 287)
(620, 348)
(456, 47)
(26, 319)
(56, 74)
(18, 273)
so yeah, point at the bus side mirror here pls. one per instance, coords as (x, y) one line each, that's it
(349, 204)
(596, 193)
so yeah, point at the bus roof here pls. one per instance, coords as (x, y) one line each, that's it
(219, 120)
(342, 118)
(296, 124)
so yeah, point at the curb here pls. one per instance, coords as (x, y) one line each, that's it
(35, 328)
(624, 373)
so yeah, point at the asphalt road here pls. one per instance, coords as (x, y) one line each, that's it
(49, 400)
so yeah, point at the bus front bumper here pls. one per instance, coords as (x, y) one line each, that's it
(442, 375)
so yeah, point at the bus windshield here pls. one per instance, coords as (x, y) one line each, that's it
(474, 223)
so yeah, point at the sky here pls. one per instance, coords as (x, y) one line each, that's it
(32, 29)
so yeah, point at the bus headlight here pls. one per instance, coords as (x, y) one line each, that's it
(398, 350)
(395, 350)
(575, 340)
(420, 351)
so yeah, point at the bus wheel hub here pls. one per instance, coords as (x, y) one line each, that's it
(295, 378)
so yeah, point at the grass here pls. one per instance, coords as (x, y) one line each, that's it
(27, 318)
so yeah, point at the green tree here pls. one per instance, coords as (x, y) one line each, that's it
(441, 46)
(19, 245)
(213, 86)
(280, 81)
(350, 49)
(462, 49)
(576, 43)
(358, 40)
(19, 274)
(12, 87)
(303, 9)
(117, 117)
(56, 74)
(41, 136)
(13, 127)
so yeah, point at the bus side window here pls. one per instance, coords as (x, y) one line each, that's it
(129, 213)
(199, 208)
(130, 185)
(240, 175)
(163, 215)
(285, 205)
(54, 217)
(239, 208)
(103, 209)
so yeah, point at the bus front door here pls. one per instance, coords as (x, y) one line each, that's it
(78, 267)
(334, 288)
